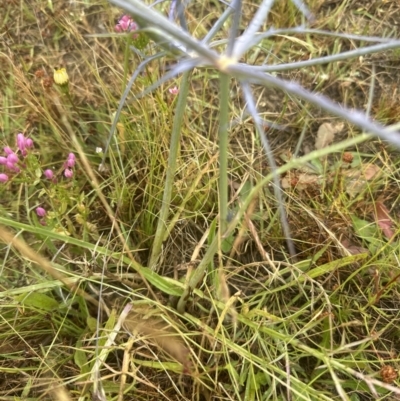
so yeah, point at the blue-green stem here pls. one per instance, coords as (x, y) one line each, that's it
(223, 153)
(169, 181)
(126, 59)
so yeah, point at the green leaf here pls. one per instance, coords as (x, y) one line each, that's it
(368, 232)
(227, 243)
(39, 301)
(364, 229)
(91, 323)
(80, 358)
(141, 41)
(213, 228)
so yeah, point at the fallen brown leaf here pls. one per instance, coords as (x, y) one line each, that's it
(383, 220)
(326, 134)
(160, 333)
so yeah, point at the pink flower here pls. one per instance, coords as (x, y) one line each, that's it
(23, 143)
(40, 212)
(12, 158)
(70, 161)
(126, 24)
(8, 150)
(3, 177)
(11, 166)
(49, 174)
(3, 160)
(174, 90)
(29, 143)
(68, 173)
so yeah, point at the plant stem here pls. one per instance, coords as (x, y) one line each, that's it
(223, 152)
(162, 231)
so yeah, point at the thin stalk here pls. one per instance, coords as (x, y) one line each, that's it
(169, 181)
(395, 44)
(138, 70)
(169, 36)
(356, 117)
(243, 44)
(218, 25)
(126, 59)
(268, 151)
(237, 8)
(223, 153)
(303, 9)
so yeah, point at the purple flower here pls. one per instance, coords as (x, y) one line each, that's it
(123, 23)
(40, 212)
(11, 166)
(173, 91)
(126, 24)
(10, 161)
(3, 177)
(8, 150)
(70, 161)
(12, 158)
(68, 173)
(23, 143)
(29, 143)
(49, 174)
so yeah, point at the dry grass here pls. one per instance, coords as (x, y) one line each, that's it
(260, 326)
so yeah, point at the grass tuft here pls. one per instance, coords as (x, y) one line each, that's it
(206, 208)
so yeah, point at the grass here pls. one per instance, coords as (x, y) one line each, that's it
(179, 269)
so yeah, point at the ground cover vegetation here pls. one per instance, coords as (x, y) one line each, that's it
(199, 200)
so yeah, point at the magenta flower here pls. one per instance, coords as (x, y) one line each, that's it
(49, 174)
(29, 143)
(173, 91)
(3, 177)
(8, 150)
(12, 158)
(40, 212)
(23, 143)
(11, 166)
(126, 24)
(68, 173)
(70, 161)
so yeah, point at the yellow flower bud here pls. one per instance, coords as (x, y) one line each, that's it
(60, 76)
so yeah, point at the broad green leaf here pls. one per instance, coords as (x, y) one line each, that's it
(38, 300)
(80, 357)
(227, 243)
(368, 232)
(91, 323)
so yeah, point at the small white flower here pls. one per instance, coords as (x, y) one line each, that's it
(99, 150)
